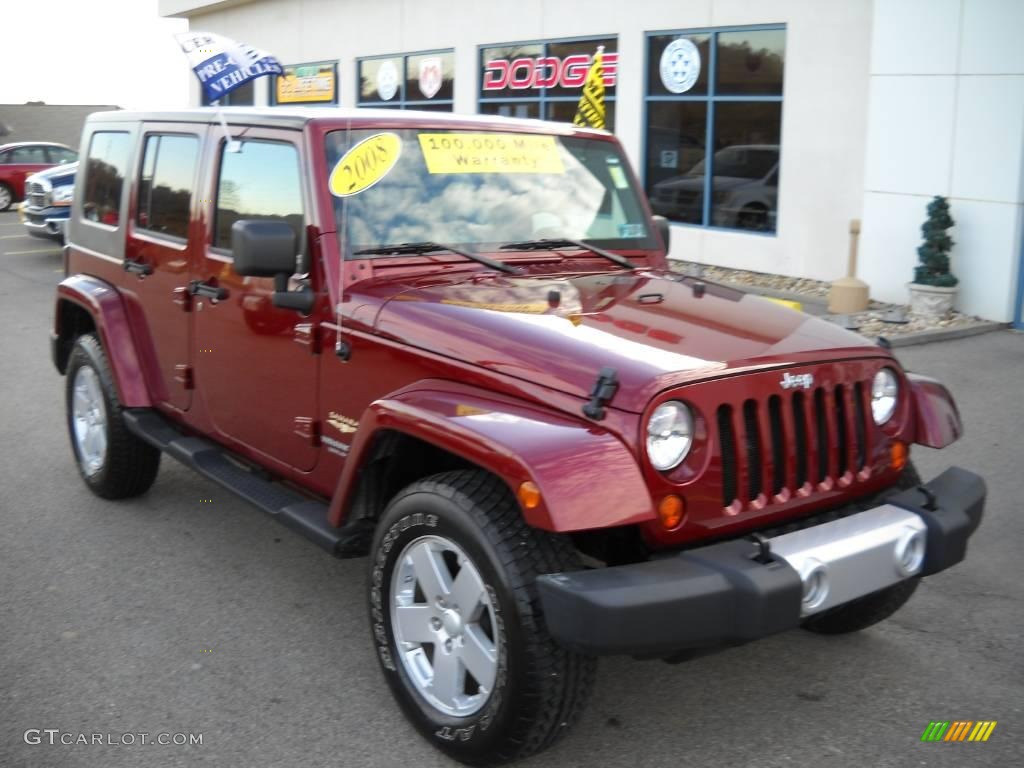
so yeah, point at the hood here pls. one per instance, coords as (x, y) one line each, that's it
(55, 175)
(653, 328)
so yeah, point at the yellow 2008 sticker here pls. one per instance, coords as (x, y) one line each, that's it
(365, 164)
(490, 153)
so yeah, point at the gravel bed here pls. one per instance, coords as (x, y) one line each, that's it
(802, 285)
(880, 319)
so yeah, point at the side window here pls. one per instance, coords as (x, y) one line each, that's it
(5, 157)
(105, 168)
(261, 181)
(29, 155)
(59, 155)
(165, 187)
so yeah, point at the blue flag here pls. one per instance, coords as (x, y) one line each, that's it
(222, 65)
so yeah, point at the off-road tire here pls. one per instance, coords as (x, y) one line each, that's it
(869, 610)
(540, 688)
(130, 464)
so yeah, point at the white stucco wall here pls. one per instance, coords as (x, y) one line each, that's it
(824, 108)
(946, 117)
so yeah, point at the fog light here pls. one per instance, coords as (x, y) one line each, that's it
(910, 552)
(815, 580)
(670, 511)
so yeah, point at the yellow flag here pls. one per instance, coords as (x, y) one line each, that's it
(590, 112)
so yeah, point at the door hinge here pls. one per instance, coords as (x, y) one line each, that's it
(183, 375)
(308, 429)
(308, 334)
(182, 298)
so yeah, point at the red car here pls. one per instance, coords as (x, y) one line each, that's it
(453, 345)
(20, 160)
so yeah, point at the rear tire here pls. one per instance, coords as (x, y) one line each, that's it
(869, 610)
(6, 197)
(535, 689)
(113, 462)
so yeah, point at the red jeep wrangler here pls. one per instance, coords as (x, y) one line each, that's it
(453, 344)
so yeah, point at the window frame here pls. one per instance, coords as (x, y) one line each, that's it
(711, 98)
(402, 102)
(541, 99)
(153, 233)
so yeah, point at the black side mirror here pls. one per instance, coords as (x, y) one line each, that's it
(267, 249)
(664, 229)
(263, 248)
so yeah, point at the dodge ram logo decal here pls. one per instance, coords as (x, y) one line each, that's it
(805, 380)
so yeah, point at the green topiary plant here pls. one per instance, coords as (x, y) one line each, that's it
(934, 252)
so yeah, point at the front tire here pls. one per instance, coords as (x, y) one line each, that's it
(113, 462)
(6, 197)
(457, 622)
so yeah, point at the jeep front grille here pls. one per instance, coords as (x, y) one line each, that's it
(812, 438)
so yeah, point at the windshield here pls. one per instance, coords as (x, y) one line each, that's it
(479, 190)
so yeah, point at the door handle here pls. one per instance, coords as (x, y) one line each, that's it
(138, 267)
(214, 292)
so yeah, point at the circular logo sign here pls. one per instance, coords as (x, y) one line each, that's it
(680, 65)
(387, 80)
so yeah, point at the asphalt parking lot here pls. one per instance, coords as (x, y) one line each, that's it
(168, 614)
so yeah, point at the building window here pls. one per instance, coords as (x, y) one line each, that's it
(243, 96)
(714, 119)
(544, 80)
(105, 168)
(408, 81)
(165, 186)
(310, 84)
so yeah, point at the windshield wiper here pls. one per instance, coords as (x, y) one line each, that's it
(430, 247)
(550, 244)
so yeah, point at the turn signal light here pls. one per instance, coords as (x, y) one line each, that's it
(671, 510)
(529, 495)
(898, 453)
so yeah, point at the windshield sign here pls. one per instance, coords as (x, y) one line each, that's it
(480, 190)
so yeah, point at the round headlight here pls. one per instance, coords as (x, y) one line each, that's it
(884, 390)
(669, 434)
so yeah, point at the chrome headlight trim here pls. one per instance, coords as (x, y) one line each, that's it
(669, 435)
(885, 391)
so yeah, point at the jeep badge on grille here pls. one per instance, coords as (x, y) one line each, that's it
(805, 380)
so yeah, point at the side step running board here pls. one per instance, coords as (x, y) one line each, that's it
(295, 511)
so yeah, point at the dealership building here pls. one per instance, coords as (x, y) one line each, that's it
(760, 129)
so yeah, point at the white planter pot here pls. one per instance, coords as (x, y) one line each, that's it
(931, 300)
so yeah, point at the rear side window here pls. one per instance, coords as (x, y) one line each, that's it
(30, 155)
(165, 188)
(260, 182)
(104, 177)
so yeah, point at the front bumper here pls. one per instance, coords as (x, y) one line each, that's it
(50, 222)
(729, 593)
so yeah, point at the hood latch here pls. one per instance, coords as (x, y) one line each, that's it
(601, 394)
